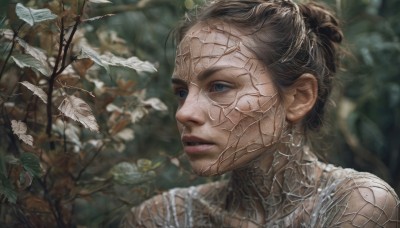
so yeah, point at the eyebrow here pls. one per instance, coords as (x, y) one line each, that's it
(202, 76)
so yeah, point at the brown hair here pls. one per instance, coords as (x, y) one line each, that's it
(291, 39)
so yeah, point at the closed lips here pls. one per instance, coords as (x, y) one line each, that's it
(193, 141)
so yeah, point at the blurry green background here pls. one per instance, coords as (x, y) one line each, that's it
(364, 124)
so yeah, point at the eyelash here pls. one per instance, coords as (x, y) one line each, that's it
(214, 89)
(181, 93)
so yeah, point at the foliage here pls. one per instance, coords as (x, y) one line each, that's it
(68, 106)
(368, 117)
(85, 135)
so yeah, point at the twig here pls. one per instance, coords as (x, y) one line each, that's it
(51, 84)
(69, 41)
(10, 134)
(88, 163)
(54, 209)
(9, 54)
(62, 55)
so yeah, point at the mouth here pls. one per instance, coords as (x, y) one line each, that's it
(188, 140)
(195, 145)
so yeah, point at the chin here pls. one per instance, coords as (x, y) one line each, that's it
(208, 170)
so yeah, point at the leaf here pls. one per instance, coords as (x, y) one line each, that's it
(23, 61)
(7, 189)
(11, 159)
(99, 1)
(145, 165)
(175, 161)
(126, 134)
(25, 179)
(81, 66)
(33, 51)
(19, 128)
(156, 104)
(128, 173)
(132, 63)
(71, 132)
(32, 16)
(31, 164)
(112, 107)
(138, 114)
(87, 52)
(37, 54)
(112, 60)
(36, 90)
(97, 18)
(7, 33)
(77, 109)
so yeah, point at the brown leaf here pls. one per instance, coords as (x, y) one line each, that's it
(19, 128)
(119, 126)
(37, 204)
(36, 91)
(155, 103)
(68, 79)
(78, 110)
(81, 66)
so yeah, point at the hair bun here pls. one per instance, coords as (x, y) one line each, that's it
(321, 21)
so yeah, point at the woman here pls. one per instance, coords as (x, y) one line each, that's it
(252, 78)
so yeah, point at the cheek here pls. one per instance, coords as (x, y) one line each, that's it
(253, 115)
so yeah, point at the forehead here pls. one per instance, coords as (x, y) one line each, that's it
(213, 43)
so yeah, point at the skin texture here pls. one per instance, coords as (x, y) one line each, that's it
(232, 119)
(227, 102)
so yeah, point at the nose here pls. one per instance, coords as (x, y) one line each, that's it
(191, 112)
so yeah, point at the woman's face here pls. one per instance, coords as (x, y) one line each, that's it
(229, 113)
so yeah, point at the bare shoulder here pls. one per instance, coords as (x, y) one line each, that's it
(169, 208)
(364, 200)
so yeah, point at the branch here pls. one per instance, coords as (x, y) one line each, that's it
(10, 134)
(62, 55)
(69, 41)
(9, 54)
(53, 208)
(51, 85)
(88, 163)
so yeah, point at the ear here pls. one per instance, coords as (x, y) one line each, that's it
(300, 97)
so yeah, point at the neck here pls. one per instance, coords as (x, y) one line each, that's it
(261, 190)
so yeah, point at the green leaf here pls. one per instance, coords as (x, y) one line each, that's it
(10, 159)
(129, 174)
(32, 16)
(31, 164)
(7, 189)
(25, 179)
(132, 63)
(23, 61)
(87, 52)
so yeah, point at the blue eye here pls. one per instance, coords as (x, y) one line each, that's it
(181, 93)
(219, 87)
